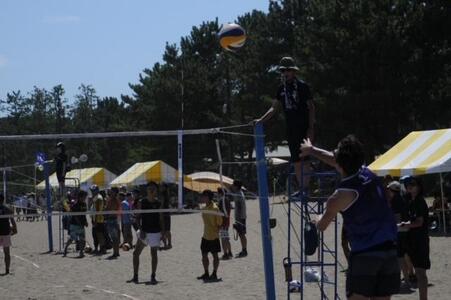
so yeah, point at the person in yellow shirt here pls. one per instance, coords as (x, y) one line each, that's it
(210, 239)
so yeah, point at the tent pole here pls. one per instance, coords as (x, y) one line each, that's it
(180, 167)
(443, 204)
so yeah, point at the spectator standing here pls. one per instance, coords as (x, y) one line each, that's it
(240, 215)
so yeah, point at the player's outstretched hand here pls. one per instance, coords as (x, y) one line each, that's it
(306, 148)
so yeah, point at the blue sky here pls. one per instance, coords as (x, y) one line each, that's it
(105, 43)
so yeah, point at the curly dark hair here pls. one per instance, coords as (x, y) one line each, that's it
(350, 155)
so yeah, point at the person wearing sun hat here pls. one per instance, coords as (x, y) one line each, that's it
(295, 99)
(400, 208)
(418, 235)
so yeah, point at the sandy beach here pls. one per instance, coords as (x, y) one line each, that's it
(39, 275)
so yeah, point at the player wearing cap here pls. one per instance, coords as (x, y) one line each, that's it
(418, 235)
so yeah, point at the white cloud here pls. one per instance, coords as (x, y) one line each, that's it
(61, 19)
(3, 60)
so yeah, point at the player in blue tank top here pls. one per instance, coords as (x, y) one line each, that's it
(373, 271)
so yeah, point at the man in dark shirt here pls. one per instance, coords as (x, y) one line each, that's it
(78, 224)
(6, 230)
(295, 98)
(149, 232)
(399, 206)
(61, 166)
(418, 249)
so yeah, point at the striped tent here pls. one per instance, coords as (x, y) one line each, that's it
(85, 177)
(143, 172)
(420, 152)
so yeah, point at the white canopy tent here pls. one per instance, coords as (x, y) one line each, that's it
(419, 153)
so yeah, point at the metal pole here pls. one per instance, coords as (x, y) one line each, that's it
(218, 150)
(4, 184)
(49, 205)
(180, 167)
(262, 177)
(443, 203)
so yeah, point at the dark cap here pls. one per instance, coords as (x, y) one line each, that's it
(237, 183)
(287, 63)
(208, 193)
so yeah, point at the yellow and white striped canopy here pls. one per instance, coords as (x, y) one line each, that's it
(144, 172)
(85, 177)
(420, 152)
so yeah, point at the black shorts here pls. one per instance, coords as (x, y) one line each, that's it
(402, 244)
(240, 226)
(373, 274)
(418, 251)
(212, 246)
(295, 139)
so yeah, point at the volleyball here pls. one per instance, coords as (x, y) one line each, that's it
(231, 36)
(125, 247)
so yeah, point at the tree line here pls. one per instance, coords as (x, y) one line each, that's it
(378, 69)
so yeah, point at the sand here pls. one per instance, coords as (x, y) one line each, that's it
(39, 275)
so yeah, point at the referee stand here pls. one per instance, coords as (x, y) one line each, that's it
(320, 268)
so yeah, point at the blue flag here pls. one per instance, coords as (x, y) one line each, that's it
(40, 158)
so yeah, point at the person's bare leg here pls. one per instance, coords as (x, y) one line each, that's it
(169, 238)
(205, 262)
(422, 281)
(215, 263)
(243, 240)
(404, 269)
(154, 254)
(409, 265)
(136, 253)
(6, 250)
(67, 246)
(298, 172)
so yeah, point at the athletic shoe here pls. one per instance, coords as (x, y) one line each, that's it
(134, 279)
(153, 280)
(204, 277)
(225, 257)
(213, 277)
(242, 254)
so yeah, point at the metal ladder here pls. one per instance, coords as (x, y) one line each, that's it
(325, 258)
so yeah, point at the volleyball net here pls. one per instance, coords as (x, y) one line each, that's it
(183, 162)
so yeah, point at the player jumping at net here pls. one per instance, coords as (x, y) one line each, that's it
(373, 271)
(295, 98)
(8, 227)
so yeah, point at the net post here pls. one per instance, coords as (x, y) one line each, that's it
(49, 205)
(180, 167)
(262, 178)
(4, 184)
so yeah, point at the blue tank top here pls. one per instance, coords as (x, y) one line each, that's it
(368, 220)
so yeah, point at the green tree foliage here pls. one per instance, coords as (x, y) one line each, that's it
(379, 69)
